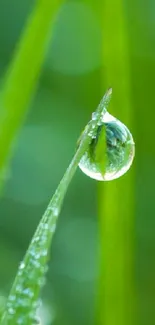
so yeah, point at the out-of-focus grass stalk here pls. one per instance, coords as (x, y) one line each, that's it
(22, 75)
(116, 199)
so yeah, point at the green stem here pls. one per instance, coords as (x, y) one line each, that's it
(22, 75)
(22, 302)
(116, 210)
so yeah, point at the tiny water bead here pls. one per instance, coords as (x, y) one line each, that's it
(111, 151)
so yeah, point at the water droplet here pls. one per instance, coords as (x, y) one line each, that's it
(37, 256)
(52, 228)
(46, 226)
(28, 292)
(23, 302)
(44, 252)
(11, 311)
(21, 320)
(36, 264)
(36, 239)
(43, 239)
(36, 321)
(113, 161)
(90, 133)
(41, 281)
(12, 298)
(94, 116)
(32, 251)
(19, 288)
(54, 210)
(37, 304)
(22, 265)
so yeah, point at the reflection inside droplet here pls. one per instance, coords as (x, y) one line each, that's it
(109, 159)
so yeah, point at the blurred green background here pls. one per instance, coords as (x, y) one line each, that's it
(73, 79)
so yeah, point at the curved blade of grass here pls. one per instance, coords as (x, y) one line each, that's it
(22, 75)
(23, 299)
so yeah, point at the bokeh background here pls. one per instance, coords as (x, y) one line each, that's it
(93, 45)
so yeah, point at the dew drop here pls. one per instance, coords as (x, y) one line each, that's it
(32, 251)
(36, 264)
(12, 298)
(94, 116)
(37, 256)
(37, 304)
(54, 210)
(22, 265)
(46, 226)
(44, 252)
(11, 311)
(105, 164)
(18, 288)
(52, 228)
(41, 281)
(43, 239)
(36, 321)
(21, 320)
(28, 292)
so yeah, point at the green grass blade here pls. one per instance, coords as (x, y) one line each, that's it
(23, 299)
(116, 199)
(22, 75)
